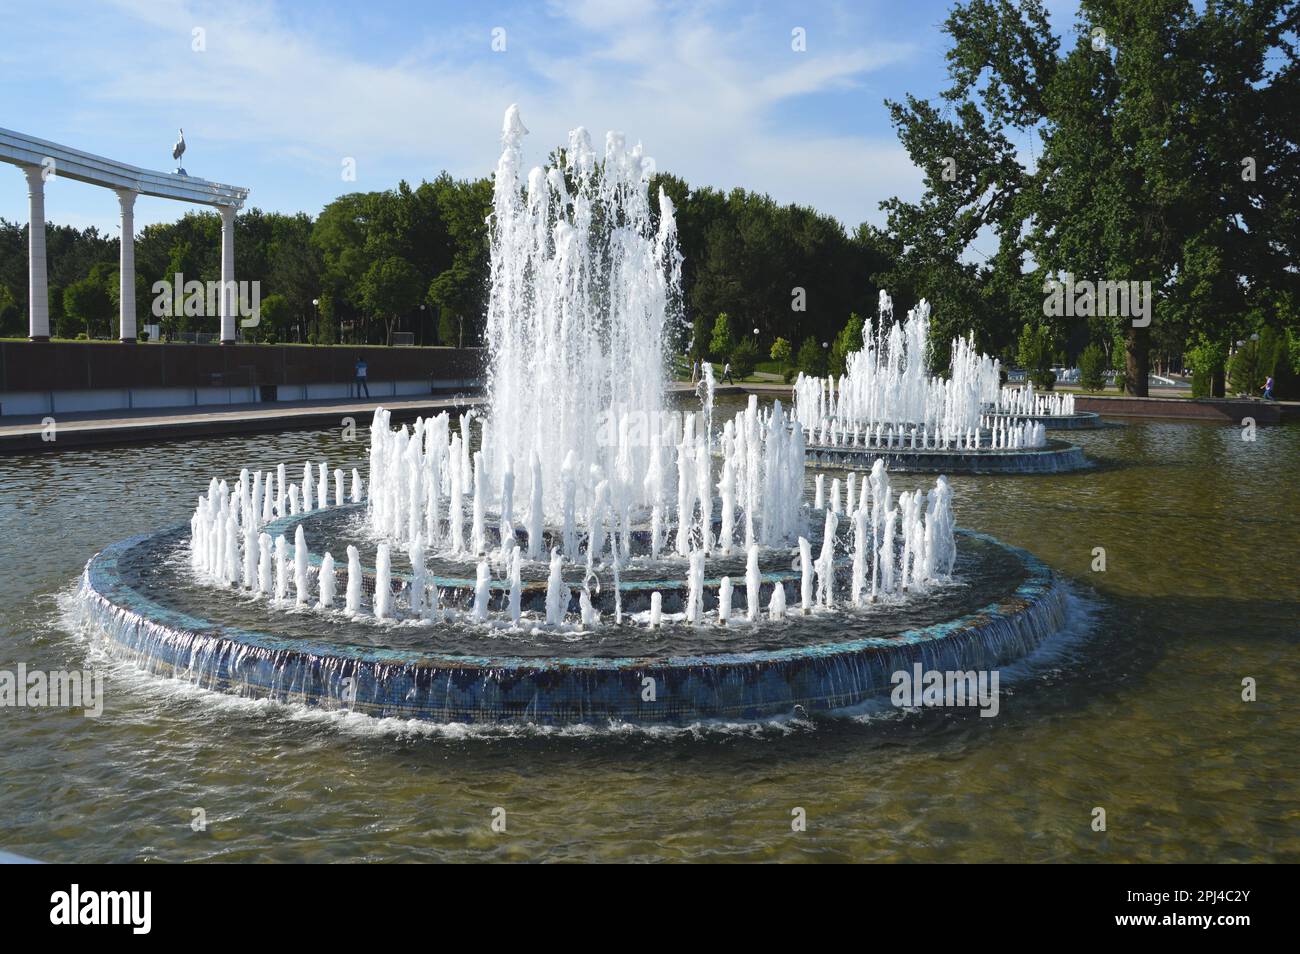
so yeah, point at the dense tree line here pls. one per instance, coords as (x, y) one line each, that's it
(412, 259)
(787, 270)
(416, 259)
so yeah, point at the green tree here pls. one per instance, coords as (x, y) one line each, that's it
(339, 238)
(326, 327)
(744, 358)
(113, 285)
(723, 339)
(782, 353)
(87, 304)
(1207, 358)
(1034, 353)
(812, 358)
(1093, 368)
(390, 288)
(182, 262)
(846, 342)
(293, 269)
(11, 317)
(701, 335)
(458, 294)
(275, 319)
(1146, 120)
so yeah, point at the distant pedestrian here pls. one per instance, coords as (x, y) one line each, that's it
(361, 377)
(726, 374)
(695, 371)
(1268, 388)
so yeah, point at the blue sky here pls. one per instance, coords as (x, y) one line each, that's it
(285, 92)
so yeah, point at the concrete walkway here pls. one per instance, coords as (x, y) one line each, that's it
(159, 424)
(1231, 410)
(105, 428)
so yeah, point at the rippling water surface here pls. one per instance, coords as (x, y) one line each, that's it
(1137, 708)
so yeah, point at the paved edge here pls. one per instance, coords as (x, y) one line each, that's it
(214, 422)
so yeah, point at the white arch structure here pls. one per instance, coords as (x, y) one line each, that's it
(41, 160)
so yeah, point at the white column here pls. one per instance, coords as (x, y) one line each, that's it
(38, 287)
(227, 274)
(126, 267)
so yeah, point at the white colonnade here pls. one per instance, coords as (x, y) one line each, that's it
(43, 161)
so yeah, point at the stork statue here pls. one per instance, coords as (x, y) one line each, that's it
(178, 150)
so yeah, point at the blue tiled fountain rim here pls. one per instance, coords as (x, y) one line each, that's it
(103, 579)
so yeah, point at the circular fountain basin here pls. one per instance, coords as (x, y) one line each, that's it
(1078, 421)
(1056, 457)
(134, 595)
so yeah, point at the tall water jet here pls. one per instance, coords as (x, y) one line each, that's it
(326, 581)
(724, 600)
(805, 575)
(753, 583)
(478, 530)
(301, 592)
(776, 606)
(306, 489)
(536, 509)
(265, 575)
(481, 584)
(585, 286)
(507, 529)
(695, 588)
(383, 601)
(557, 591)
(826, 563)
(516, 587)
(861, 556)
(354, 581)
(281, 567)
(418, 571)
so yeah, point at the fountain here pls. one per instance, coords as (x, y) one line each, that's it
(1054, 410)
(582, 551)
(889, 404)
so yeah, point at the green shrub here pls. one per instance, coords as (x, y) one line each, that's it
(1044, 380)
(1034, 351)
(743, 359)
(846, 342)
(782, 353)
(1092, 368)
(1202, 381)
(812, 358)
(1245, 371)
(1206, 358)
(723, 340)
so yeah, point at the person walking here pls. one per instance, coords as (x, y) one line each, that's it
(361, 377)
(726, 374)
(1268, 388)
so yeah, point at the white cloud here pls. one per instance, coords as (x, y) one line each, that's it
(714, 98)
